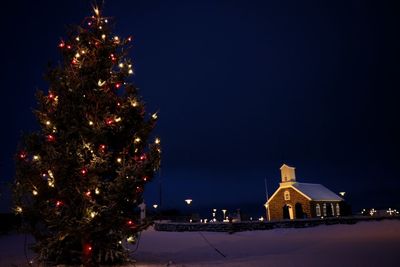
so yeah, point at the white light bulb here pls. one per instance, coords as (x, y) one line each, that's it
(103, 36)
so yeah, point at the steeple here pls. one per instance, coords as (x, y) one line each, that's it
(288, 174)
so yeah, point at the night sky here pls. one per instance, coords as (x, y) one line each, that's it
(241, 87)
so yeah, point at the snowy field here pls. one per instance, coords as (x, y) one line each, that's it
(362, 244)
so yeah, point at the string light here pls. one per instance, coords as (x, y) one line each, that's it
(134, 103)
(121, 65)
(61, 45)
(101, 83)
(93, 214)
(48, 122)
(118, 119)
(154, 116)
(84, 171)
(34, 192)
(36, 157)
(22, 155)
(130, 239)
(18, 209)
(96, 11)
(137, 140)
(58, 203)
(157, 141)
(77, 38)
(97, 191)
(51, 138)
(119, 160)
(77, 55)
(90, 123)
(109, 121)
(118, 85)
(130, 71)
(103, 36)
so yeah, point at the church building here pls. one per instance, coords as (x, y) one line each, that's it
(294, 200)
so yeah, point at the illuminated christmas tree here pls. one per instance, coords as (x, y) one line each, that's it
(79, 180)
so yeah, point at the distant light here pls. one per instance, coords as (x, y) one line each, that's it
(155, 206)
(188, 201)
(342, 193)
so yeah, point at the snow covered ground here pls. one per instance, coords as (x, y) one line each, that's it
(362, 244)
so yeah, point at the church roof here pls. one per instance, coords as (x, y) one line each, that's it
(316, 192)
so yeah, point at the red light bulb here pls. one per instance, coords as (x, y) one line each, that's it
(84, 171)
(50, 138)
(109, 121)
(58, 203)
(118, 85)
(61, 45)
(22, 155)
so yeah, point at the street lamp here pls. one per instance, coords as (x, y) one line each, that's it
(224, 212)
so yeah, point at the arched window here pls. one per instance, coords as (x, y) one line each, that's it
(286, 195)
(324, 209)
(318, 210)
(333, 209)
(337, 209)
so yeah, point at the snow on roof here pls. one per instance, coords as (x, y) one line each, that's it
(316, 191)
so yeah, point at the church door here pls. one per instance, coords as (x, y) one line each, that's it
(287, 212)
(299, 211)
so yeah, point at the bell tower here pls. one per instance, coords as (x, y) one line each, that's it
(288, 175)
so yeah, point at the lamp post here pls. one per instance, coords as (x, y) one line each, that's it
(224, 212)
(189, 202)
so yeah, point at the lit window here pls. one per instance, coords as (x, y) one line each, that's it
(337, 209)
(332, 209)
(318, 210)
(287, 195)
(324, 209)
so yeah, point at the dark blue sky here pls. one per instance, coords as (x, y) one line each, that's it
(242, 87)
